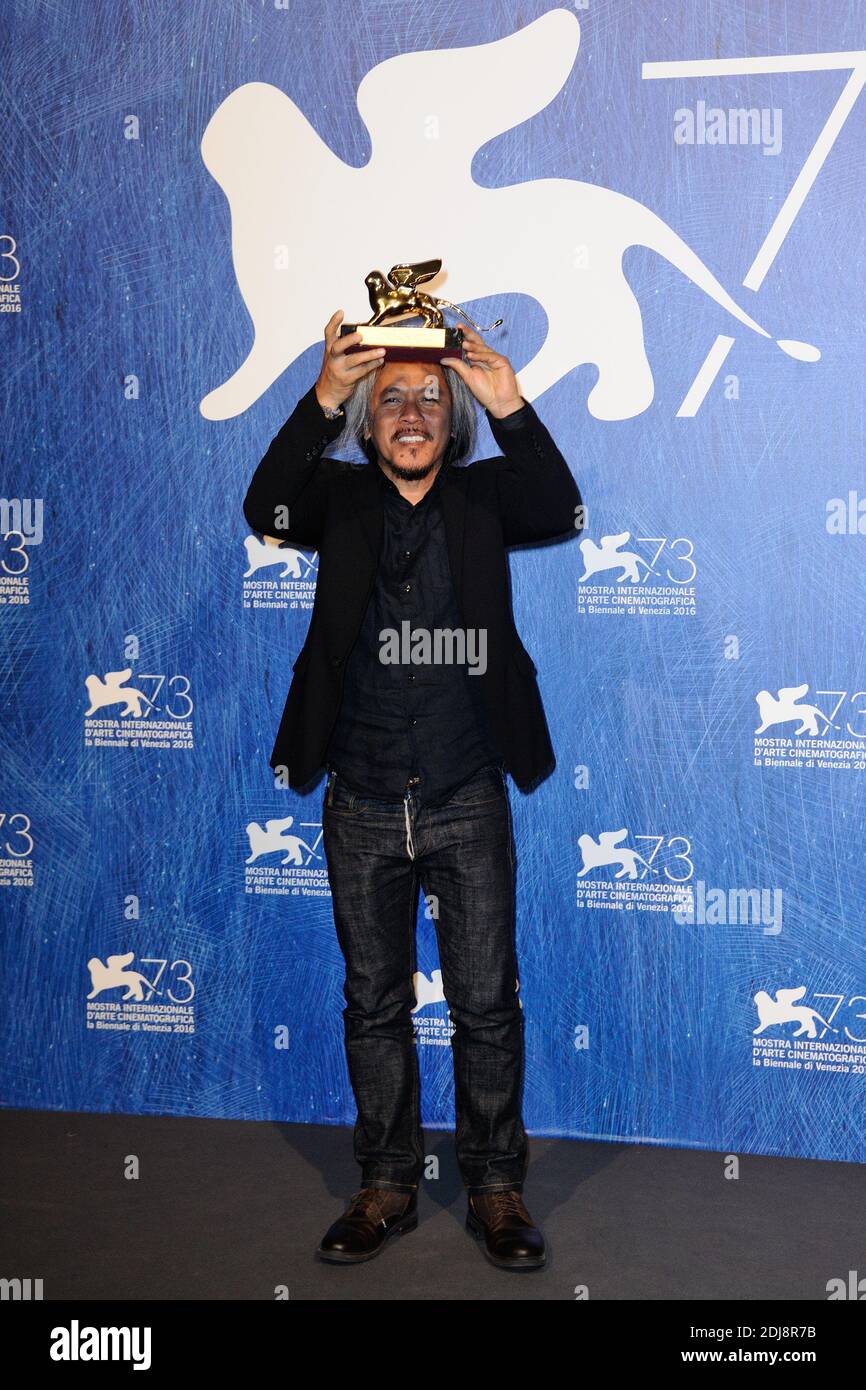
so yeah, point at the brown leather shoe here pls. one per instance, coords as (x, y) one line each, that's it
(373, 1216)
(501, 1221)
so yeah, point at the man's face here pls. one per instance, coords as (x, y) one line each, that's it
(410, 410)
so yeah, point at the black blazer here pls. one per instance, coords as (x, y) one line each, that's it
(335, 507)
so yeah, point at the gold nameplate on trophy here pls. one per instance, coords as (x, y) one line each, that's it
(398, 296)
(407, 344)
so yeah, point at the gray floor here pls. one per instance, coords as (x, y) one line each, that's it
(231, 1210)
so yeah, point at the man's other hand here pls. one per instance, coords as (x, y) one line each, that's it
(489, 376)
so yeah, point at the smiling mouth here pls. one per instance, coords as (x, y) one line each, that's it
(412, 438)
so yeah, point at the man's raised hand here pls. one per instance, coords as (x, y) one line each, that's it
(340, 374)
(488, 374)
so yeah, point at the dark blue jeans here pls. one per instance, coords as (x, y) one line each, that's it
(462, 853)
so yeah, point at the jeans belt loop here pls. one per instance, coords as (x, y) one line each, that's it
(332, 777)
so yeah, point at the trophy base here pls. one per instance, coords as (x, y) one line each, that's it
(406, 344)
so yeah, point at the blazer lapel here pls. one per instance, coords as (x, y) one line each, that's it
(368, 503)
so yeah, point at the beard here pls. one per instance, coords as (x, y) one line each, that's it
(411, 475)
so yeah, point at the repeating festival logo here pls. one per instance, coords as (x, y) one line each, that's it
(137, 1003)
(10, 275)
(433, 1028)
(825, 731)
(299, 870)
(827, 1035)
(20, 529)
(619, 877)
(278, 575)
(122, 714)
(644, 576)
(16, 850)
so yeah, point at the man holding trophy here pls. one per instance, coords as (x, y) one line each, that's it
(414, 691)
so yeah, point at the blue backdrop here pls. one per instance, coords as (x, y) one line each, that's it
(167, 950)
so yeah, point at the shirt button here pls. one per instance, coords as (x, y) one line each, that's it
(406, 588)
(407, 553)
(411, 675)
(412, 723)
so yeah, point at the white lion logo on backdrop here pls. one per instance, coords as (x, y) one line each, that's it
(785, 708)
(283, 185)
(783, 1008)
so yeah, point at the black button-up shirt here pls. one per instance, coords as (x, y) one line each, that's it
(400, 721)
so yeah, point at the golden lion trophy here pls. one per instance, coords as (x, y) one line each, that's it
(397, 296)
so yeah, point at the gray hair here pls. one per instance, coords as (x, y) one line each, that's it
(358, 419)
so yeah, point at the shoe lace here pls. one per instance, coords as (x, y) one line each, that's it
(505, 1204)
(370, 1202)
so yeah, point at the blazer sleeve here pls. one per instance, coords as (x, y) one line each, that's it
(287, 496)
(538, 496)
